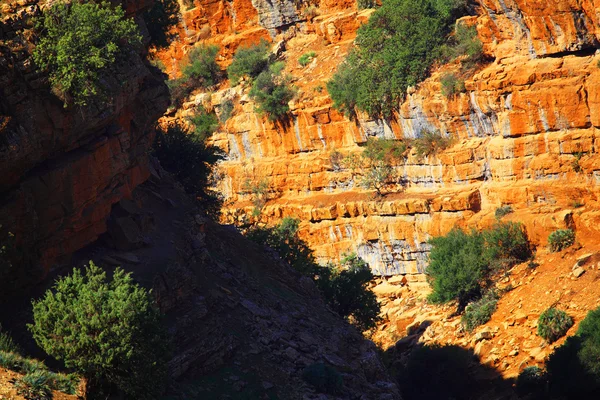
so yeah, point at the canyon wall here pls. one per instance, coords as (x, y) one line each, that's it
(524, 135)
(62, 168)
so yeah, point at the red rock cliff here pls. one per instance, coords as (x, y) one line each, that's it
(61, 169)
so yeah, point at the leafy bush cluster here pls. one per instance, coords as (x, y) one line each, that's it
(465, 42)
(343, 287)
(79, 42)
(461, 263)
(395, 50)
(503, 211)
(249, 61)
(374, 165)
(271, 90)
(553, 324)
(561, 239)
(108, 330)
(452, 85)
(190, 159)
(430, 143)
(201, 71)
(306, 58)
(479, 312)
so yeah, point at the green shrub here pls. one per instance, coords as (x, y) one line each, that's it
(451, 85)
(306, 58)
(122, 342)
(260, 194)
(395, 49)
(11, 361)
(272, 92)
(323, 378)
(465, 42)
(191, 161)
(531, 380)
(345, 290)
(553, 324)
(202, 68)
(479, 312)
(205, 123)
(226, 111)
(375, 163)
(161, 20)
(457, 266)
(363, 4)
(7, 344)
(430, 143)
(35, 385)
(507, 243)
(79, 42)
(561, 239)
(248, 61)
(503, 211)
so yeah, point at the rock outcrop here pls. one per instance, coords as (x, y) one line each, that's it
(524, 134)
(62, 169)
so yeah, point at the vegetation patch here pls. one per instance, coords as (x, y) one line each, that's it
(201, 71)
(306, 58)
(79, 42)
(479, 312)
(503, 211)
(561, 239)
(122, 343)
(553, 324)
(272, 92)
(248, 61)
(452, 85)
(430, 143)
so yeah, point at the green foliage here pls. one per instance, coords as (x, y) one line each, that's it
(191, 161)
(323, 378)
(553, 324)
(108, 330)
(395, 50)
(506, 243)
(202, 67)
(79, 42)
(437, 373)
(306, 58)
(362, 4)
(35, 386)
(531, 381)
(560, 239)
(272, 92)
(205, 123)
(7, 344)
(161, 20)
(461, 263)
(479, 312)
(457, 266)
(503, 211)
(375, 163)
(451, 85)
(226, 111)
(345, 290)
(260, 194)
(430, 143)
(248, 61)
(465, 42)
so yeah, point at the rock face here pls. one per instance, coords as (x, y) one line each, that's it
(524, 135)
(62, 169)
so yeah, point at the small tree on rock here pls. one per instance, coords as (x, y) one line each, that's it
(107, 330)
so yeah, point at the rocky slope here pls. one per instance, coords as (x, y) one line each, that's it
(62, 169)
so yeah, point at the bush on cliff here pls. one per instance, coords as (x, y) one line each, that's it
(271, 90)
(78, 43)
(191, 160)
(248, 61)
(200, 71)
(107, 329)
(560, 239)
(395, 50)
(479, 312)
(553, 324)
